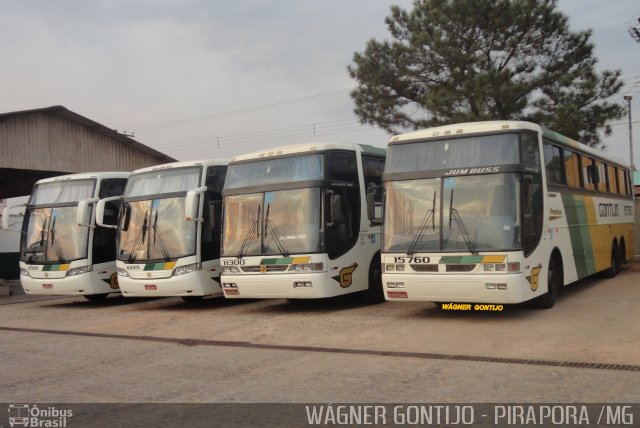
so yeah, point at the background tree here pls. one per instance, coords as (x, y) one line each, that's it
(467, 60)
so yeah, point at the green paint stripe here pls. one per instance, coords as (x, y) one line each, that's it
(268, 261)
(284, 261)
(460, 259)
(579, 233)
(51, 268)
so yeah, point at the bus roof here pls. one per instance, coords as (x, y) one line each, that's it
(308, 147)
(203, 163)
(84, 175)
(462, 129)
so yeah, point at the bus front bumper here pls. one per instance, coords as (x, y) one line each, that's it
(188, 284)
(505, 289)
(77, 285)
(280, 286)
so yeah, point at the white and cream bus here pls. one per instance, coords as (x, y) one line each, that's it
(169, 230)
(500, 212)
(62, 250)
(295, 223)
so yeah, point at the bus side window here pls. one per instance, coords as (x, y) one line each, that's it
(611, 179)
(553, 164)
(588, 173)
(572, 164)
(622, 185)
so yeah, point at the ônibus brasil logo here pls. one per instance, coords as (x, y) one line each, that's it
(27, 415)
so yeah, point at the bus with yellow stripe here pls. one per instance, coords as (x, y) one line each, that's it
(500, 212)
(169, 229)
(295, 223)
(62, 250)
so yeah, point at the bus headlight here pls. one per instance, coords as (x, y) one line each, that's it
(79, 270)
(307, 267)
(394, 268)
(181, 270)
(123, 272)
(24, 272)
(230, 269)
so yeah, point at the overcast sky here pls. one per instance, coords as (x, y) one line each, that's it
(211, 79)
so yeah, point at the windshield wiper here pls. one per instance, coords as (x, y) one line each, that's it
(252, 230)
(157, 234)
(55, 242)
(139, 241)
(466, 236)
(423, 226)
(276, 237)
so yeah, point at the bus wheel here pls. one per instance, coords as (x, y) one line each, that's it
(622, 253)
(375, 292)
(615, 263)
(554, 278)
(96, 298)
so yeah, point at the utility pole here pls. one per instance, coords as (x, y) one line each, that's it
(628, 99)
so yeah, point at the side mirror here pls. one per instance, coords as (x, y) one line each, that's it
(6, 214)
(100, 212)
(125, 214)
(83, 212)
(191, 204)
(375, 197)
(215, 216)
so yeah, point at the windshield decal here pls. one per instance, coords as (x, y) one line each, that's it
(468, 171)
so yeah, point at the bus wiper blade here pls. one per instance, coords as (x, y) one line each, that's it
(423, 226)
(157, 234)
(55, 242)
(252, 230)
(466, 236)
(139, 241)
(276, 236)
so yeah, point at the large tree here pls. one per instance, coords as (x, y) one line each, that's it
(466, 60)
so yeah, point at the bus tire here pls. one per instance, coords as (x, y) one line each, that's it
(614, 269)
(375, 292)
(96, 298)
(623, 253)
(554, 282)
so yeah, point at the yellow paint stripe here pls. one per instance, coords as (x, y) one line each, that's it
(64, 266)
(299, 260)
(169, 265)
(494, 259)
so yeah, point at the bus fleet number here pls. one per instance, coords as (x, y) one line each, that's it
(411, 260)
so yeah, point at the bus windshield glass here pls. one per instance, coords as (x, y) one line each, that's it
(64, 191)
(281, 222)
(155, 230)
(453, 214)
(163, 181)
(276, 170)
(479, 151)
(52, 235)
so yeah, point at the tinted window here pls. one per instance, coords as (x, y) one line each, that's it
(212, 212)
(553, 164)
(588, 173)
(572, 166)
(530, 152)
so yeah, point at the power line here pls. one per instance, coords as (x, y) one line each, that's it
(184, 121)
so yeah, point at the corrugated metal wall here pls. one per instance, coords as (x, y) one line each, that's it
(50, 142)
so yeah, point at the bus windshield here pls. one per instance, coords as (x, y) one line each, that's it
(155, 230)
(461, 214)
(63, 191)
(277, 170)
(52, 235)
(268, 223)
(163, 181)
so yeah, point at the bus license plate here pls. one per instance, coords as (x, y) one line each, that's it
(47, 286)
(150, 287)
(231, 292)
(397, 294)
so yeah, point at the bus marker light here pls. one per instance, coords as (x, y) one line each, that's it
(229, 285)
(501, 267)
(150, 287)
(390, 268)
(302, 284)
(502, 286)
(391, 285)
(489, 268)
(490, 286)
